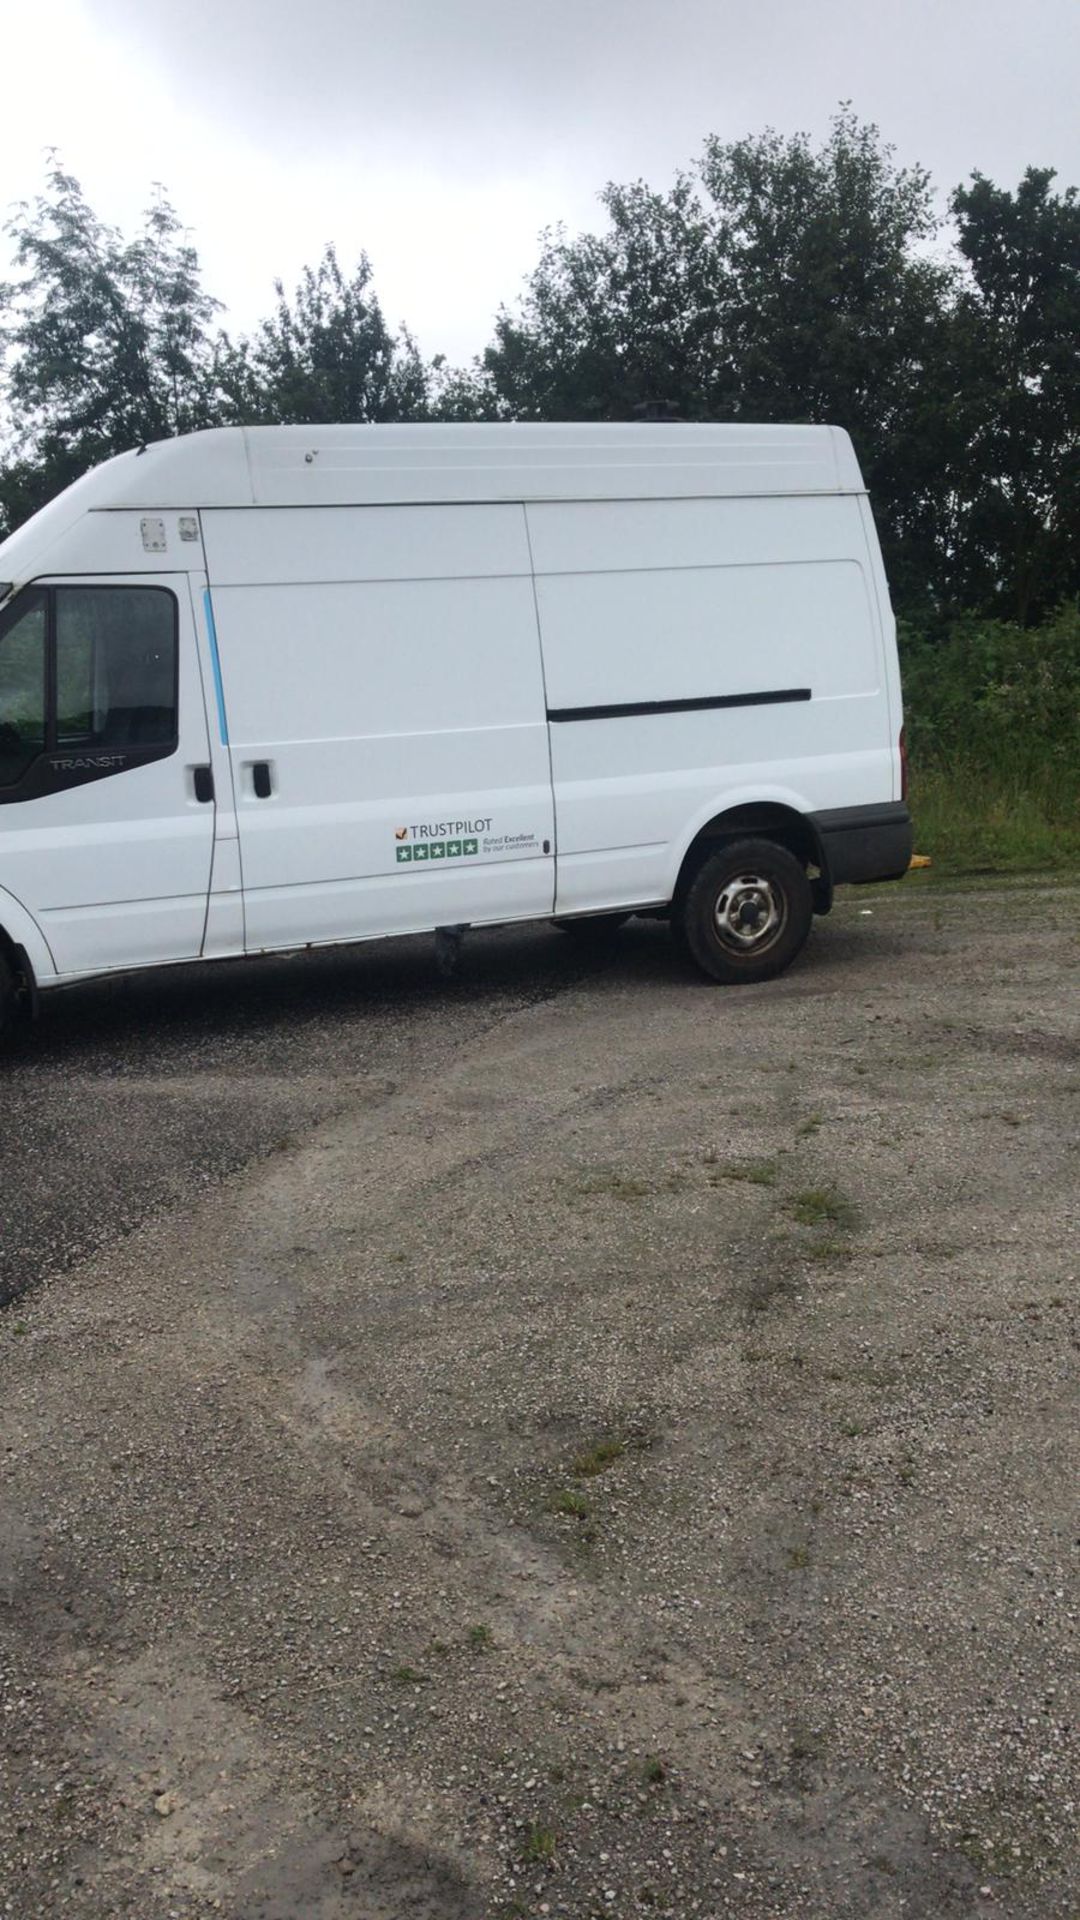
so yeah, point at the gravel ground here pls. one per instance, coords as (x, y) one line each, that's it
(566, 1440)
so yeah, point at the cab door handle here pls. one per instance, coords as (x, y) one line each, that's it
(202, 779)
(260, 779)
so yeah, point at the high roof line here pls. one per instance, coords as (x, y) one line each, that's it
(371, 465)
(443, 463)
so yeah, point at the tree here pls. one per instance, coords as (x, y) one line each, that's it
(1016, 377)
(327, 354)
(614, 321)
(107, 341)
(775, 282)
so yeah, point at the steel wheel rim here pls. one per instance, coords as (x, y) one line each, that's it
(750, 913)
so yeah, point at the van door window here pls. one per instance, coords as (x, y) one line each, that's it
(115, 667)
(22, 687)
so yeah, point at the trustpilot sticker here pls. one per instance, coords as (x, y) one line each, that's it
(426, 841)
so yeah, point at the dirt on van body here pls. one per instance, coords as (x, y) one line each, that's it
(567, 1440)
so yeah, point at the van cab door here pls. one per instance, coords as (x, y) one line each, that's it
(106, 802)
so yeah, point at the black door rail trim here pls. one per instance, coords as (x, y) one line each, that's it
(630, 708)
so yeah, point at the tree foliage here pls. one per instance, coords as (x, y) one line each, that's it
(107, 341)
(775, 280)
(1016, 378)
(327, 354)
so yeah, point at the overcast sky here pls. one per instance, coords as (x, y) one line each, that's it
(441, 135)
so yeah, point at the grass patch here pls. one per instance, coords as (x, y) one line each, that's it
(822, 1207)
(756, 1173)
(599, 1458)
(654, 1772)
(993, 716)
(538, 1846)
(617, 1186)
(569, 1502)
(974, 819)
(406, 1676)
(828, 1253)
(480, 1639)
(812, 1124)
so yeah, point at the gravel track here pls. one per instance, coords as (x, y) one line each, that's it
(565, 1440)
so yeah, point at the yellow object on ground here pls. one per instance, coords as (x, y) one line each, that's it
(920, 860)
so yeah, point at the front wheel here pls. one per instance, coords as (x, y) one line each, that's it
(8, 1001)
(747, 911)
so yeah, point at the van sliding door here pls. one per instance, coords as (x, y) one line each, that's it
(381, 676)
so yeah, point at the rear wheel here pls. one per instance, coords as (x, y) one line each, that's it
(747, 911)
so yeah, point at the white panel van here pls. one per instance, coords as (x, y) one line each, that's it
(266, 688)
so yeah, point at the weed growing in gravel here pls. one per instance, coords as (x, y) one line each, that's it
(812, 1124)
(599, 1458)
(405, 1676)
(822, 1207)
(627, 1186)
(757, 1173)
(828, 1253)
(798, 1557)
(567, 1501)
(654, 1772)
(538, 1845)
(621, 1186)
(480, 1639)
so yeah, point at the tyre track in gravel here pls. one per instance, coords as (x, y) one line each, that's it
(131, 1096)
(275, 1459)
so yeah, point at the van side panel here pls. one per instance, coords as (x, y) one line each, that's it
(382, 681)
(763, 606)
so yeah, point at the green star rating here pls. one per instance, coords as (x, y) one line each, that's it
(407, 852)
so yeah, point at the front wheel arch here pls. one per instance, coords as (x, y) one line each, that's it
(18, 987)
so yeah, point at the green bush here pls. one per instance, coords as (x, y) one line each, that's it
(993, 726)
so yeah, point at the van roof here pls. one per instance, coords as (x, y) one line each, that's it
(362, 465)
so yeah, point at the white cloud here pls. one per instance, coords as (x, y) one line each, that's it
(441, 135)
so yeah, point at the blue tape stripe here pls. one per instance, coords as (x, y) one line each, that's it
(216, 664)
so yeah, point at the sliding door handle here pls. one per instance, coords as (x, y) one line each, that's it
(260, 779)
(202, 780)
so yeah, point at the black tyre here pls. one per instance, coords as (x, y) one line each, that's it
(8, 1001)
(746, 913)
(594, 927)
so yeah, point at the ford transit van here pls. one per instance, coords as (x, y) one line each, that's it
(268, 688)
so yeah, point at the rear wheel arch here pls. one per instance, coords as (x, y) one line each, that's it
(759, 820)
